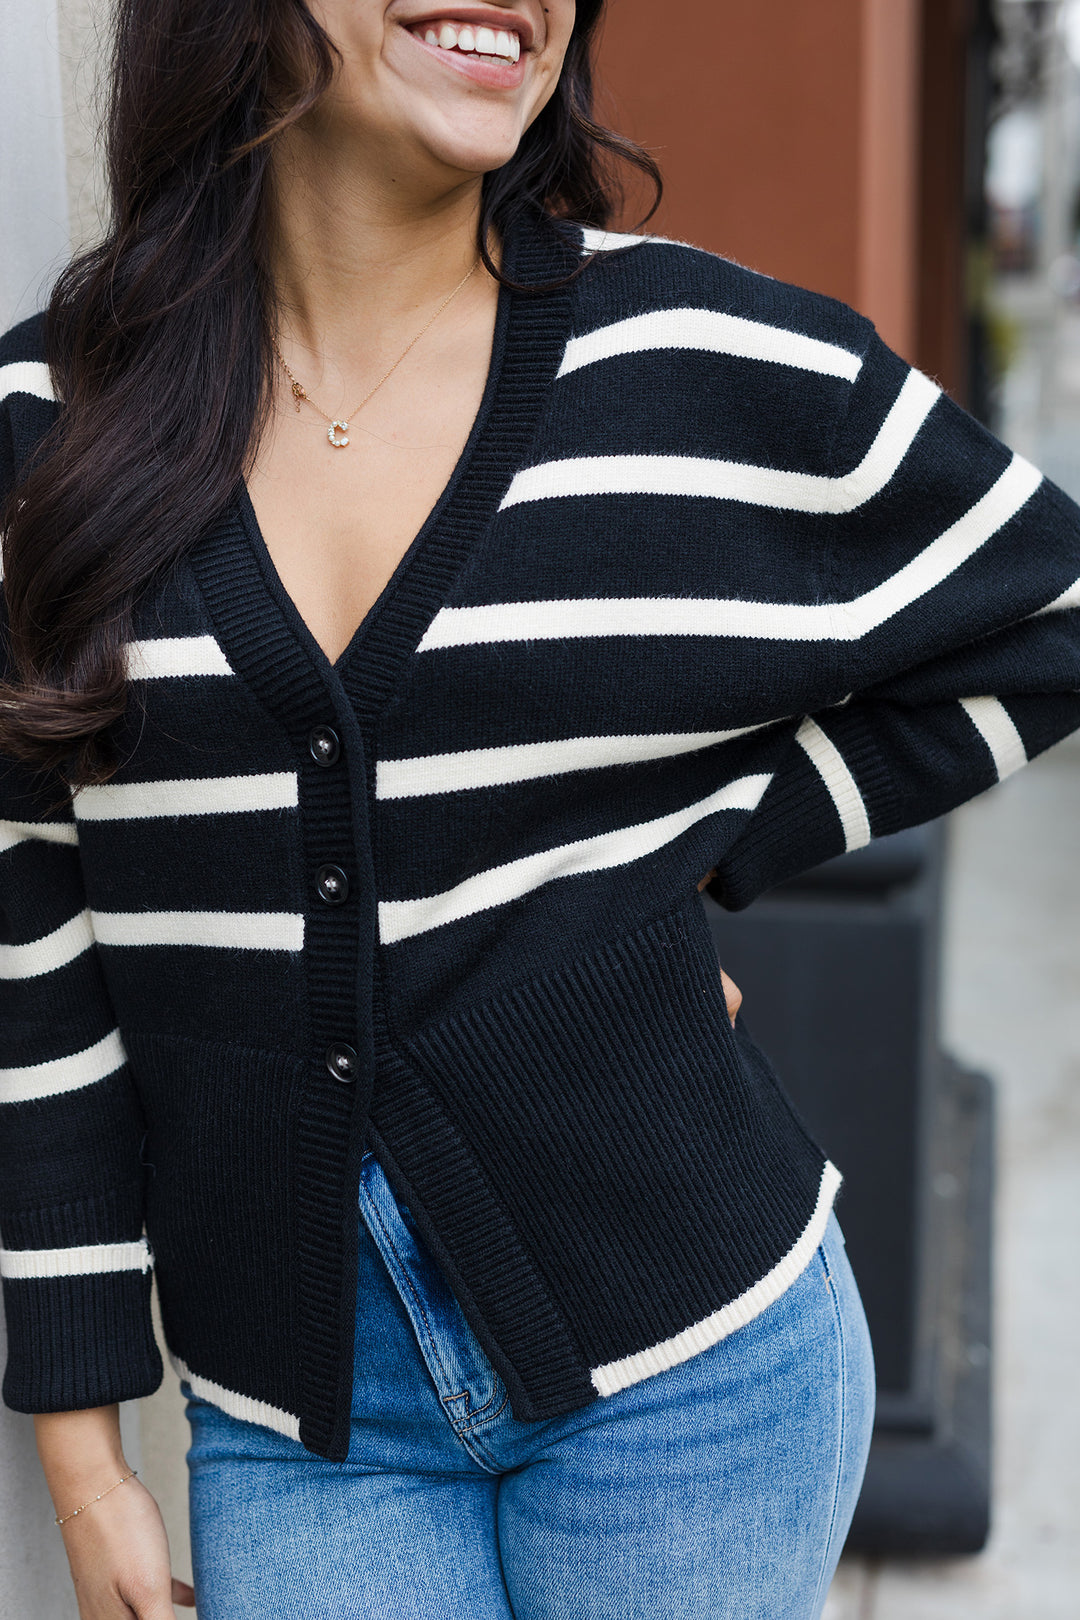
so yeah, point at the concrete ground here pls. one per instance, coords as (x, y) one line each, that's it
(1012, 1008)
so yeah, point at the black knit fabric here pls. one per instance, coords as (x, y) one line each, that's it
(719, 581)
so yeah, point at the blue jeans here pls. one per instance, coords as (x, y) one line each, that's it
(721, 1489)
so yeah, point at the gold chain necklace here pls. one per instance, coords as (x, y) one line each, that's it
(338, 431)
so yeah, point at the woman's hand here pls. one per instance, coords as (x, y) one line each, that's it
(732, 993)
(119, 1557)
(732, 996)
(117, 1547)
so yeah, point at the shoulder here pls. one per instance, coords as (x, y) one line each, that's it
(641, 276)
(27, 397)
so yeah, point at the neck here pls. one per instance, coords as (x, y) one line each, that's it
(342, 243)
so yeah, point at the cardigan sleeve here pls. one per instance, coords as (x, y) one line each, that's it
(73, 1257)
(953, 622)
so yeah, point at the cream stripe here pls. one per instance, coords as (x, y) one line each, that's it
(187, 796)
(1067, 599)
(85, 1260)
(597, 241)
(57, 1075)
(524, 762)
(241, 930)
(235, 1404)
(47, 832)
(711, 332)
(831, 766)
(49, 953)
(27, 377)
(736, 480)
(570, 619)
(943, 556)
(164, 656)
(401, 919)
(616, 1375)
(997, 729)
(765, 621)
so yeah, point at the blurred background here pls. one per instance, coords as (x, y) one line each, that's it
(919, 159)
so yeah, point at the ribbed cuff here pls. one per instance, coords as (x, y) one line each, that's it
(853, 731)
(79, 1327)
(75, 1342)
(796, 826)
(783, 839)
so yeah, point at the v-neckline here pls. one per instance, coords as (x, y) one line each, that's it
(253, 529)
(262, 632)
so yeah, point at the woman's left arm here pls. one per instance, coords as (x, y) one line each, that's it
(952, 616)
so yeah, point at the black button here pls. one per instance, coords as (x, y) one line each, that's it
(342, 1061)
(332, 884)
(324, 745)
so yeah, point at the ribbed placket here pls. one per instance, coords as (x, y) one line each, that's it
(269, 647)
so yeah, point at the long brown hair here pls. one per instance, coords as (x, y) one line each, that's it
(146, 450)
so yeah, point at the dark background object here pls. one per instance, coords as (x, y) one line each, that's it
(840, 970)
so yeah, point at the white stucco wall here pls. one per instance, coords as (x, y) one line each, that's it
(82, 39)
(51, 201)
(34, 230)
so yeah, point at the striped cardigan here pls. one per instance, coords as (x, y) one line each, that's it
(719, 581)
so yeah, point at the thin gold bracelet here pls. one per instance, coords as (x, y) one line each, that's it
(94, 1499)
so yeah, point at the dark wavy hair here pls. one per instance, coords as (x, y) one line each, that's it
(147, 450)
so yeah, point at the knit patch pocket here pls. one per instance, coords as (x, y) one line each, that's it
(219, 1211)
(645, 1153)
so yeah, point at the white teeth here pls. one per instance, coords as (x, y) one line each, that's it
(481, 41)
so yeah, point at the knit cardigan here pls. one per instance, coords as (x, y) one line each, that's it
(718, 581)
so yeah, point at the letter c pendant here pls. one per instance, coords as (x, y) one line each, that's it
(338, 434)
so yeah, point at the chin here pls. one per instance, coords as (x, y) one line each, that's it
(475, 150)
(478, 160)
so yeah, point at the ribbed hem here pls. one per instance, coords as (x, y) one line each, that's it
(244, 1407)
(628, 1370)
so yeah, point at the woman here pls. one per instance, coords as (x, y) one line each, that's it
(362, 763)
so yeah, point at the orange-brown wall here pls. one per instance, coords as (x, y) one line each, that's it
(944, 337)
(787, 133)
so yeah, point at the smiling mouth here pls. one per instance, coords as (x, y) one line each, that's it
(480, 44)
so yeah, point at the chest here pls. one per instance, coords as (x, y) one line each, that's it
(337, 521)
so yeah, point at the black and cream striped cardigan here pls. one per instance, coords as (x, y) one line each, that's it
(718, 581)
